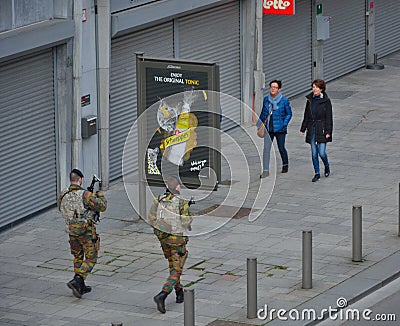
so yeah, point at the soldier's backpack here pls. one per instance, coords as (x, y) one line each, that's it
(168, 216)
(74, 212)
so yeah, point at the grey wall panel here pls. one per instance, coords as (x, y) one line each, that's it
(387, 27)
(6, 15)
(140, 15)
(287, 49)
(156, 42)
(120, 5)
(344, 51)
(213, 35)
(18, 13)
(29, 12)
(27, 135)
(34, 38)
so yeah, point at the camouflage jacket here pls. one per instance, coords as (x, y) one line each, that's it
(78, 205)
(162, 231)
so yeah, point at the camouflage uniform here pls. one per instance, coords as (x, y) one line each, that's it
(78, 207)
(169, 232)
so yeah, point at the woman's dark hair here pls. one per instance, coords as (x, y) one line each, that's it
(276, 81)
(320, 84)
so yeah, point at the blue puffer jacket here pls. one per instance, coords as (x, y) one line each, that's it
(280, 117)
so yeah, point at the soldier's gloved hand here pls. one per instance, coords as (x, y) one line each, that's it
(100, 194)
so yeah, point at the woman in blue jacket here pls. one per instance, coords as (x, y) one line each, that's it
(276, 114)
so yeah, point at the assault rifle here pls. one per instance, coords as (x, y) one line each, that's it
(95, 179)
(191, 201)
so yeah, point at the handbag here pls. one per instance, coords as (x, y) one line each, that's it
(261, 130)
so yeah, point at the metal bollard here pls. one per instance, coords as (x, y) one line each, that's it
(357, 233)
(188, 308)
(252, 287)
(307, 260)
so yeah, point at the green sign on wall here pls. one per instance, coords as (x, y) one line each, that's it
(319, 9)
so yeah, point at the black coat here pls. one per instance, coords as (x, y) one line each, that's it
(323, 119)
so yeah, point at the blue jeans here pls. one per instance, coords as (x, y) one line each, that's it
(318, 149)
(280, 139)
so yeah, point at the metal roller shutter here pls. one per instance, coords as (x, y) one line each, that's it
(213, 35)
(387, 27)
(344, 51)
(287, 49)
(27, 136)
(156, 42)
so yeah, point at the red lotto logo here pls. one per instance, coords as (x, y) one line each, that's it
(279, 7)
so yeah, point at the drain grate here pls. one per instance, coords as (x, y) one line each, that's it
(226, 211)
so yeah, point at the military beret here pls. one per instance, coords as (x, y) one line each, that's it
(77, 172)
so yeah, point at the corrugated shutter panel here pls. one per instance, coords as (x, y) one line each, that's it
(156, 42)
(387, 26)
(287, 49)
(344, 51)
(27, 136)
(213, 35)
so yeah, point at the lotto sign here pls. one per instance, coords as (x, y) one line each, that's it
(279, 7)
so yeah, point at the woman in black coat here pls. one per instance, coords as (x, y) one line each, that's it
(318, 123)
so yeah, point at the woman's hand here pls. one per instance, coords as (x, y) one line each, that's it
(327, 136)
(302, 132)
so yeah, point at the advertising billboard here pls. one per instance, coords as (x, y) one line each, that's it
(179, 113)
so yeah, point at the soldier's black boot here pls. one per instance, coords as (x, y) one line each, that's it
(159, 299)
(76, 285)
(86, 288)
(179, 296)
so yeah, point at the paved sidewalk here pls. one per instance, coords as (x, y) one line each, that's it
(365, 164)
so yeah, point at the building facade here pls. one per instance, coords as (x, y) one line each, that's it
(68, 84)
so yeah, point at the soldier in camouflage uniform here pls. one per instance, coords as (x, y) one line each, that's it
(170, 217)
(78, 207)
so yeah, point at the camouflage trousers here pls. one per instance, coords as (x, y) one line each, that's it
(84, 250)
(176, 256)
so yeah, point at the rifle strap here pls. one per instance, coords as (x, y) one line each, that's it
(62, 197)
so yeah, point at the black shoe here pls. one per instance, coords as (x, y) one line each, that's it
(316, 177)
(87, 289)
(76, 285)
(327, 172)
(264, 175)
(179, 295)
(159, 299)
(285, 169)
